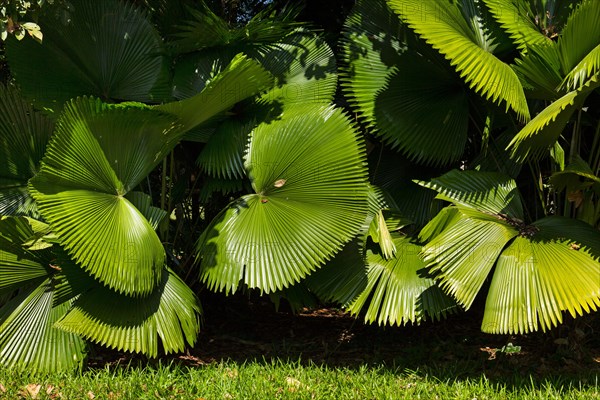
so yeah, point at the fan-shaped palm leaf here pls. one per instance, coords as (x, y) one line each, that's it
(588, 67)
(135, 324)
(514, 17)
(97, 155)
(580, 36)
(442, 25)
(28, 339)
(489, 192)
(310, 197)
(542, 132)
(540, 71)
(396, 293)
(415, 104)
(24, 134)
(107, 49)
(541, 270)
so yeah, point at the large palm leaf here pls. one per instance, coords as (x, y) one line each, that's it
(538, 271)
(443, 26)
(310, 188)
(28, 340)
(107, 49)
(24, 134)
(414, 102)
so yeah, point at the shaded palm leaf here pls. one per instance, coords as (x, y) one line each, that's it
(107, 49)
(97, 155)
(442, 25)
(135, 324)
(489, 192)
(540, 71)
(396, 294)
(24, 134)
(143, 203)
(569, 177)
(310, 197)
(28, 339)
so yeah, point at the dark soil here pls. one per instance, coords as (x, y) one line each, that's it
(243, 330)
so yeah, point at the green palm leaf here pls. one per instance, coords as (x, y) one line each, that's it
(489, 192)
(19, 266)
(513, 17)
(97, 155)
(538, 278)
(462, 256)
(125, 323)
(107, 49)
(580, 35)
(24, 134)
(542, 132)
(442, 25)
(309, 180)
(415, 104)
(540, 71)
(28, 339)
(396, 294)
(589, 66)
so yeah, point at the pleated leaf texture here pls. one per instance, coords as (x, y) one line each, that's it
(24, 134)
(107, 49)
(538, 270)
(310, 198)
(97, 154)
(28, 339)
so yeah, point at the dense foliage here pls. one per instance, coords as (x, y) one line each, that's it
(151, 158)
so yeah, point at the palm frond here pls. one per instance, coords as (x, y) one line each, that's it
(588, 67)
(135, 324)
(488, 192)
(540, 71)
(513, 17)
(395, 290)
(580, 35)
(28, 339)
(442, 25)
(24, 134)
(143, 203)
(542, 132)
(310, 198)
(107, 49)
(539, 277)
(462, 256)
(96, 156)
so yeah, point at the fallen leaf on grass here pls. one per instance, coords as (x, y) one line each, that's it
(91, 395)
(2, 388)
(32, 390)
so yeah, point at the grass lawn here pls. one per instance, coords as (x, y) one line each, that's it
(249, 351)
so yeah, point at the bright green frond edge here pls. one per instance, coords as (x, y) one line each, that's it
(414, 104)
(24, 134)
(442, 25)
(310, 198)
(539, 271)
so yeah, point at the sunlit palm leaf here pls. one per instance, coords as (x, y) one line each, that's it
(540, 71)
(543, 131)
(310, 198)
(514, 17)
(539, 277)
(28, 339)
(107, 49)
(241, 79)
(170, 313)
(587, 67)
(395, 292)
(489, 192)
(580, 36)
(143, 203)
(462, 256)
(97, 155)
(442, 25)
(24, 134)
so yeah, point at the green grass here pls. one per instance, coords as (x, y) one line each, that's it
(280, 380)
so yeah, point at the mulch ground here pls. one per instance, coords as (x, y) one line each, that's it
(242, 329)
